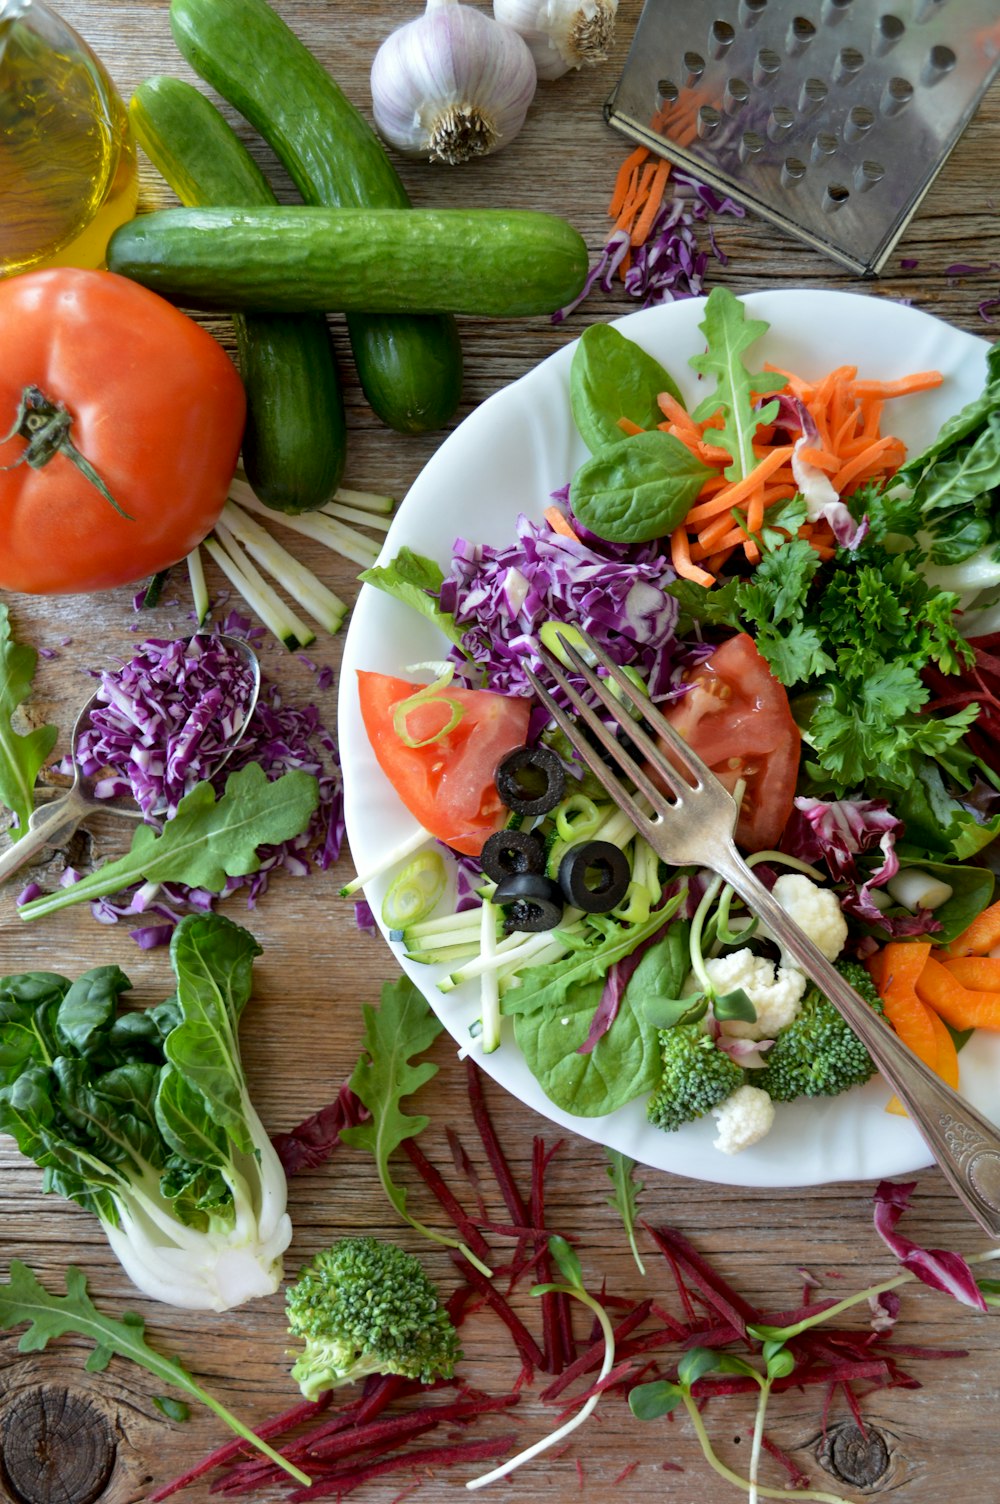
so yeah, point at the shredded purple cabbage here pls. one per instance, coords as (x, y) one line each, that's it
(502, 596)
(937, 1267)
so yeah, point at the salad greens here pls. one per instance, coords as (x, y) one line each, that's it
(144, 1117)
(612, 378)
(729, 334)
(638, 488)
(209, 838)
(21, 753)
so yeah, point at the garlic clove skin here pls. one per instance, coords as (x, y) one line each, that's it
(562, 34)
(452, 84)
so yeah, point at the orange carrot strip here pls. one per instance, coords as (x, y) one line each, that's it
(711, 537)
(981, 936)
(680, 557)
(947, 1060)
(919, 381)
(658, 182)
(738, 491)
(716, 562)
(628, 427)
(711, 453)
(904, 964)
(796, 385)
(755, 521)
(959, 1006)
(865, 461)
(676, 412)
(978, 973)
(557, 522)
(821, 458)
(626, 172)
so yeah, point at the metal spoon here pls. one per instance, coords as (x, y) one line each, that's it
(56, 821)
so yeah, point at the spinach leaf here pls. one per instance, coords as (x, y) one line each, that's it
(416, 581)
(21, 756)
(729, 334)
(611, 377)
(639, 488)
(970, 472)
(972, 892)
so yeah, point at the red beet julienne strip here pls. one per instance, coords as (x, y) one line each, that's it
(397, 1429)
(717, 1291)
(451, 1454)
(231, 1450)
(531, 1354)
(593, 1356)
(797, 1478)
(506, 1183)
(557, 1326)
(435, 1183)
(460, 1159)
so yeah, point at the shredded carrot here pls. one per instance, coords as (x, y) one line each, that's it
(865, 463)
(821, 458)
(675, 412)
(557, 522)
(628, 427)
(755, 521)
(905, 386)
(658, 182)
(982, 935)
(680, 557)
(738, 491)
(624, 182)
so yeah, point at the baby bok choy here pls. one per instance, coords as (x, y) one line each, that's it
(143, 1117)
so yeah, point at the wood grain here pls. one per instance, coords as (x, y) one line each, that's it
(303, 1030)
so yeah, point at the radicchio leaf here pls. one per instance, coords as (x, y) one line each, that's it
(936, 1267)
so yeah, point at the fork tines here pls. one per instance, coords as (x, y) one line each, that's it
(686, 772)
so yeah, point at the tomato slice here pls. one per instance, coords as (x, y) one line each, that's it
(447, 784)
(737, 718)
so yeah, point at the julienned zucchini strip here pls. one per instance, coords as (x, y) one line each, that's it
(410, 368)
(295, 438)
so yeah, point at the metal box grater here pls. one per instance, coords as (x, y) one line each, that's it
(829, 117)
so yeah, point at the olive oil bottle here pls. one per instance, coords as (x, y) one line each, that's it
(68, 175)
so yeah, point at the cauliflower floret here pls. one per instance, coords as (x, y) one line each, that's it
(744, 1119)
(775, 993)
(816, 910)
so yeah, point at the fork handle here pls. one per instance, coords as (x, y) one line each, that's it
(47, 825)
(965, 1144)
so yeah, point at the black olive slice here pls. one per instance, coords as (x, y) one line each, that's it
(532, 902)
(531, 780)
(511, 851)
(594, 876)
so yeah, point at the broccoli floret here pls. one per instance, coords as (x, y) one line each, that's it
(365, 1306)
(818, 1054)
(696, 1077)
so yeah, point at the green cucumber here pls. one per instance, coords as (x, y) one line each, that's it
(410, 367)
(295, 439)
(496, 262)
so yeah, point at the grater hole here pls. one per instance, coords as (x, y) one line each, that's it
(927, 9)
(709, 120)
(867, 175)
(667, 92)
(800, 34)
(694, 64)
(835, 10)
(812, 94)
(751, 11)
(835, 197)
(938, 65)
(824, 146)
(751, 146)
(888, 31)
(766, 67)
(736, 94)
(848, 65)
(793, 170)
(780, 122)
(859, 122)
(896, 96)
(721, 37)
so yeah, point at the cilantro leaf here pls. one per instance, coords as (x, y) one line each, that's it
(729, 334)
(206, 841)
(21, 755)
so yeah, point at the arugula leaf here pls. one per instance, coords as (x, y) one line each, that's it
(639, 488)
(24, 1300)
(611, 377)
(729, 334)
(416, 581)
(206, 841)
(21, 755)
(625, 1200)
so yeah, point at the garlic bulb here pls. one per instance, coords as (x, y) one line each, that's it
(452, 84)
(562, 34)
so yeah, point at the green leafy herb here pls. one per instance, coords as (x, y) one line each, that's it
(172, 1409)
(416, 581)
(621, 1173)
(639, 488)
(23, 1299)
(729, 334)
(611, 377)
(401, 1028)
(206, 841)
(21, 755)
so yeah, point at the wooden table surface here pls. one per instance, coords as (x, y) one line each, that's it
(84, 1436)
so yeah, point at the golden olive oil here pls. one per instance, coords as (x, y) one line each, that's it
(68, 175)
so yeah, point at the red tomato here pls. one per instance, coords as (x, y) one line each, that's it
(154, 404)
(736, 717)
(447, 784)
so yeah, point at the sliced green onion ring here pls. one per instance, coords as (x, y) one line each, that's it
(428, 694)
(413, 894)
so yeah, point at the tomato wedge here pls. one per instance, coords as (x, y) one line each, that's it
(737, 718)
(447, 783)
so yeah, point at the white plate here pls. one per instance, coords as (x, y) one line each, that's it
(507, 457)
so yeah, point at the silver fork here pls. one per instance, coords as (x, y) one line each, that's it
(693, 825)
